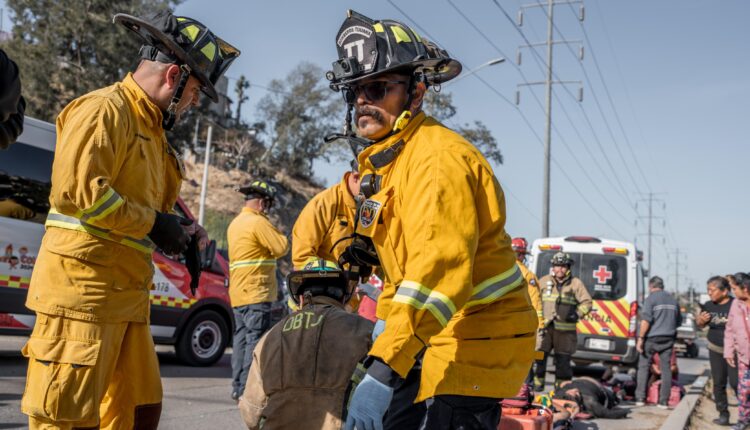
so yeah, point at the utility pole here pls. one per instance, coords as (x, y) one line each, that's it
(204, 181)
(548, 82)
(677, 266)
(650, 200)
(548, 130)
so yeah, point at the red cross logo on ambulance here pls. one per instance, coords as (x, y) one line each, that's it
(602, 274)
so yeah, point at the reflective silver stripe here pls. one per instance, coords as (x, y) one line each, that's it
(419, 296)
(56, 219)
(104, 206)
(245, 263)
(496, 287)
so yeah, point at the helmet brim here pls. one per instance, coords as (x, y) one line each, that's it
(137, 25)
(299, 280)
(437, 71)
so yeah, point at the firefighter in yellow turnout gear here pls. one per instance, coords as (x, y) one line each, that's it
(115, 180)
(325, 226)
(565, 300)
(521, 247)
(435, 214)
(254, 246)
(325, 221)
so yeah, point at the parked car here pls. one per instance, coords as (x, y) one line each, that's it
(687, 336)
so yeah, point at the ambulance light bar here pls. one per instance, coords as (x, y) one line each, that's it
(610, 250)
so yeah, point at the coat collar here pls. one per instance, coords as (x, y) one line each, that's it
(382, 153)
(146, 108)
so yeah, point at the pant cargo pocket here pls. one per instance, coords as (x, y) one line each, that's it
(61, 379)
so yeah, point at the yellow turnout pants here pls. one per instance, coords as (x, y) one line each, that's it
(85, 374)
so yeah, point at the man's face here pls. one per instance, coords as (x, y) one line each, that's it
(190, 96)
(559, 272)
(379, 102)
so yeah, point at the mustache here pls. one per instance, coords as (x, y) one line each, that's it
(377, 116)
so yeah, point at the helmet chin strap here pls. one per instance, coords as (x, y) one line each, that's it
(403, 120)
(170, 115)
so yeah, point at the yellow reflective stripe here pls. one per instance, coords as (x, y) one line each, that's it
(106, 204)
(244, 263)
(191, 31)
(495, 287)
(378, 27)
(565, 326)
(401, 35)
(56, 219)
(418, 296)
(209, 50)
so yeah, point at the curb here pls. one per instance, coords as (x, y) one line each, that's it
(679, 418)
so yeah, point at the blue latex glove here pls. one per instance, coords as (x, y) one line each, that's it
(369, 403)
(379, 327)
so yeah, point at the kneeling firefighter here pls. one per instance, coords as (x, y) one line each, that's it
(457, 327)
(565, 300)
(302, 368)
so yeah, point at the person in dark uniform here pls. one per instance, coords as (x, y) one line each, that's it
(714, 315)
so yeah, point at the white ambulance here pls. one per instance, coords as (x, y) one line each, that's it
(612, 272)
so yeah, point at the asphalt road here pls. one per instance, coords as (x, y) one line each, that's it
(198, 398)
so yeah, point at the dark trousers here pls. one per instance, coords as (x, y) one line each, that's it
(403, 413)
(722, 373)
(563, 370)
(461, 413)
(663, 347)
(251, 322)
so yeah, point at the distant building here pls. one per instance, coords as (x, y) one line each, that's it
(5, 36)
(222, 108)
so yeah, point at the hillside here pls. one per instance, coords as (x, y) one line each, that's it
(223, 203)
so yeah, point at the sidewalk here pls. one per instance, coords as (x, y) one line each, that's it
(705, 411)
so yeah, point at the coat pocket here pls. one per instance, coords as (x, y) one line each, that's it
(61, 379)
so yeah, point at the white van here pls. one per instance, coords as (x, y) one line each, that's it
(612, 273)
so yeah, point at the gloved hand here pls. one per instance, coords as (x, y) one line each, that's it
(168, 233)
(369, 403)
(378, 329)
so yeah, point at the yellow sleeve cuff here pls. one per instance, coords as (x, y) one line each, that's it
(400, 358)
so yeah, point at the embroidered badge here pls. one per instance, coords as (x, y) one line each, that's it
(368, 213)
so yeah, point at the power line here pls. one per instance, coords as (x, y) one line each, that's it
(527, 122)
(557, 132)
(601, 110)
(539, 61)
(611, 102)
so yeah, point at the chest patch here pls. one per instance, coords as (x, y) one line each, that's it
(369, 212)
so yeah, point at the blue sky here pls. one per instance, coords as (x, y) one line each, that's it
(677, 72)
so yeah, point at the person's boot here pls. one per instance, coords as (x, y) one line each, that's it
(723, 419)
(538, 384)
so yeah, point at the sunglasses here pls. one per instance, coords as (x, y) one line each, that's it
(374, 91)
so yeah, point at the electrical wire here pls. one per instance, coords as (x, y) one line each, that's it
(527, 122)
(540, 63)
(572, 123)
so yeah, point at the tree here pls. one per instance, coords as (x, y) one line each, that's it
(65, 49)
(299, 111)
(440, 105)
(240, 88)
